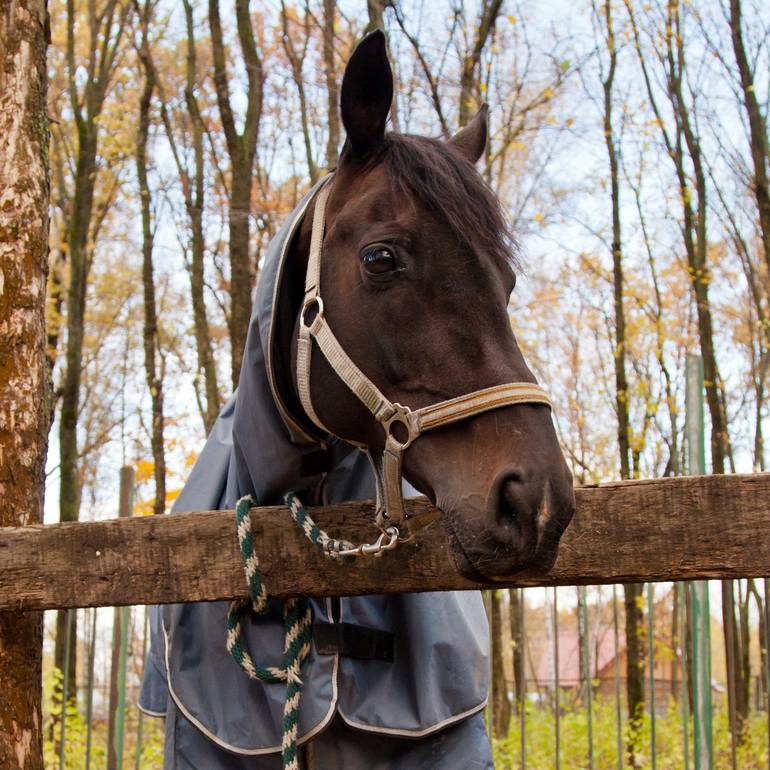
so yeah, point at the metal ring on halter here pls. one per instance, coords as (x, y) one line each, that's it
(308, 305)
(402, 415)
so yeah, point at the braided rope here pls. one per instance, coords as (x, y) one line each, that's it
(297, 618)
(330, 546)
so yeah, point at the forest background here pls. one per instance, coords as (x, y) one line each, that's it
(628, 144)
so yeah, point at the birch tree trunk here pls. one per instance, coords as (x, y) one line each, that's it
(24, 192)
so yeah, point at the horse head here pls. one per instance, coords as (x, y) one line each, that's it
(417, 269)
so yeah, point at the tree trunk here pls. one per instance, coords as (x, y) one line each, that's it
(69, 487)
(696, 244)
(117, 695)
(744, 662)
(469, 79)
(621, 382)
(584, 654)
(332, 88)
(501, 705)
(517, 640)
(760, 155)
(105, 35)
(632, 593)
(675, 645)
(241, 273)
(763, 647)
(241, 148)
(194, 198)
(696, 247)
(152, 367)
(24, 394)
(296, 60)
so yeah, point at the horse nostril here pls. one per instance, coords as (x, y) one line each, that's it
(509, 499)
(513, 505)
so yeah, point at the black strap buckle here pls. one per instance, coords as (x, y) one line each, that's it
(352, 641)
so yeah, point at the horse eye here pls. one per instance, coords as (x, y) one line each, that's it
(379, 260)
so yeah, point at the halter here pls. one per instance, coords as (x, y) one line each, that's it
(412, 422)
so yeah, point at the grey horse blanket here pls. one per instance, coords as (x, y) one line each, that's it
(422, 708)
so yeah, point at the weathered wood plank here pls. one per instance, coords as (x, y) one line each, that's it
(666, 529)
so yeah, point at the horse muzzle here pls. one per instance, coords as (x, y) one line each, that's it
(517, 527)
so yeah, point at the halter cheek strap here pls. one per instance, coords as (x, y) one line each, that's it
(394, 418)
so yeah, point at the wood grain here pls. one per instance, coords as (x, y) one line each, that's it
(633, 531)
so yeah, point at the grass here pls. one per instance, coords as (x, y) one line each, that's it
(752, 753)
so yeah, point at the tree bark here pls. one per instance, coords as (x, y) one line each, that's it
(684, 143)
(242, 150)
(760, 155)
(676, 645)
(106, 32)
(296, 60)
(621, 381)
(501, 705)
(332, 88)
(490, 10)
(763, 648)
(696, 247)
(193, 191)
(744, 658)
(695, 232)
(120, 627)
(153, 367)
(57, 260)
(24, 392)
(517, 639)
(632, 593)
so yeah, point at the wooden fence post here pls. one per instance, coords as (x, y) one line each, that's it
(23, 372)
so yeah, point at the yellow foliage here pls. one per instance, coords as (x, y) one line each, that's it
(144, 470)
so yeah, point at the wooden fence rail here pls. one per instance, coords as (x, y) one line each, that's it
(635, 531)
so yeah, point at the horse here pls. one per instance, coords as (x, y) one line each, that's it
(389, 283)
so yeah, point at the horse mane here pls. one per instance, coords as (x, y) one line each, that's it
(446, 182)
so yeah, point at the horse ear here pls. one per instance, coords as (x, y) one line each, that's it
(471, 141)
(366, 95)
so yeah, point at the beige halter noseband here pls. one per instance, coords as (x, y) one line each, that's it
(390, 502)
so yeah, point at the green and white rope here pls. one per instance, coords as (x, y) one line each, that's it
(297, 618)
(330, 546)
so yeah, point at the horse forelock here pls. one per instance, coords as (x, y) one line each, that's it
(445, 182)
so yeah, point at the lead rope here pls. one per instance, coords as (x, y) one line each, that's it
(297, 617)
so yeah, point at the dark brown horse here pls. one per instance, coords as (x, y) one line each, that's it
(417, 270)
